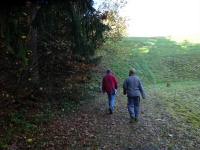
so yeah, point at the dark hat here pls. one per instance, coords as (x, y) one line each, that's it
(108, 71)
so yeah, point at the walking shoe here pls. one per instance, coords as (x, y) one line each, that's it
(136, 119)
(110, 111)
(132, 120)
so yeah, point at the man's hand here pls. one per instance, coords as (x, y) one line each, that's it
(124, 92)
(115, 91)
(144, 96)
(103, 91)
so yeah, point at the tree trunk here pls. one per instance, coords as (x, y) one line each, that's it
(33, 47)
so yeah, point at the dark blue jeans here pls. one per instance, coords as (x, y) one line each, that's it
(134, 106)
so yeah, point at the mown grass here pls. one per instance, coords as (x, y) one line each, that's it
(182, 100)
(170, 68)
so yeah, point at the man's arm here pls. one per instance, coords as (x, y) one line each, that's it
(142, 90)
(103, 85)
(124, 88)
(116, 83)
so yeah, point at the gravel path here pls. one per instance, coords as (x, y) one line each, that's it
(92, 128)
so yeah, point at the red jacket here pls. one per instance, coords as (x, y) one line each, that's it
(109, 83)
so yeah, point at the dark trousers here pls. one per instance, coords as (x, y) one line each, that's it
(134, 106)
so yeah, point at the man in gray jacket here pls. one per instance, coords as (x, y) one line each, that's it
(133, 88)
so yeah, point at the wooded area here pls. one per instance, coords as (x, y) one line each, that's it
(52, 58)
(44, 45)
(48, 58)
(47, 54)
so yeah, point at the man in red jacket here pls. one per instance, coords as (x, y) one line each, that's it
(109, 85)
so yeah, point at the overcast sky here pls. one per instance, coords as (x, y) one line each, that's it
(163, 17)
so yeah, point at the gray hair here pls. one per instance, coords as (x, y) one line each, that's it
(132, 71)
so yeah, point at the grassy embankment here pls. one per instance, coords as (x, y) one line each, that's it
(169, 69)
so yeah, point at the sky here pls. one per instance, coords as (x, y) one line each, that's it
(174, 18)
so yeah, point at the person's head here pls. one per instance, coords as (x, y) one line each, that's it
(108, 71)
(132, 71)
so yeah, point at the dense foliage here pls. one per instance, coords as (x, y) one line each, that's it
(44, 41)
(116, 22)
(47, 54)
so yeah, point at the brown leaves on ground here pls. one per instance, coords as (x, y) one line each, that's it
(68, 133)
(92, 128)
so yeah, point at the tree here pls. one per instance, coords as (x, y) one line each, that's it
(46, 57)
(46, 39)
(110, 13)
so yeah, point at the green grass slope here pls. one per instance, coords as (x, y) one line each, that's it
(170, 69)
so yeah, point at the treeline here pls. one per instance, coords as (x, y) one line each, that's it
(47, 57)
(47, 47)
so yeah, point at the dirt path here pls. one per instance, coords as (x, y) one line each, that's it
(92, 128)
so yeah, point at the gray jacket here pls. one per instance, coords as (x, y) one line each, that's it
(133, 87)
